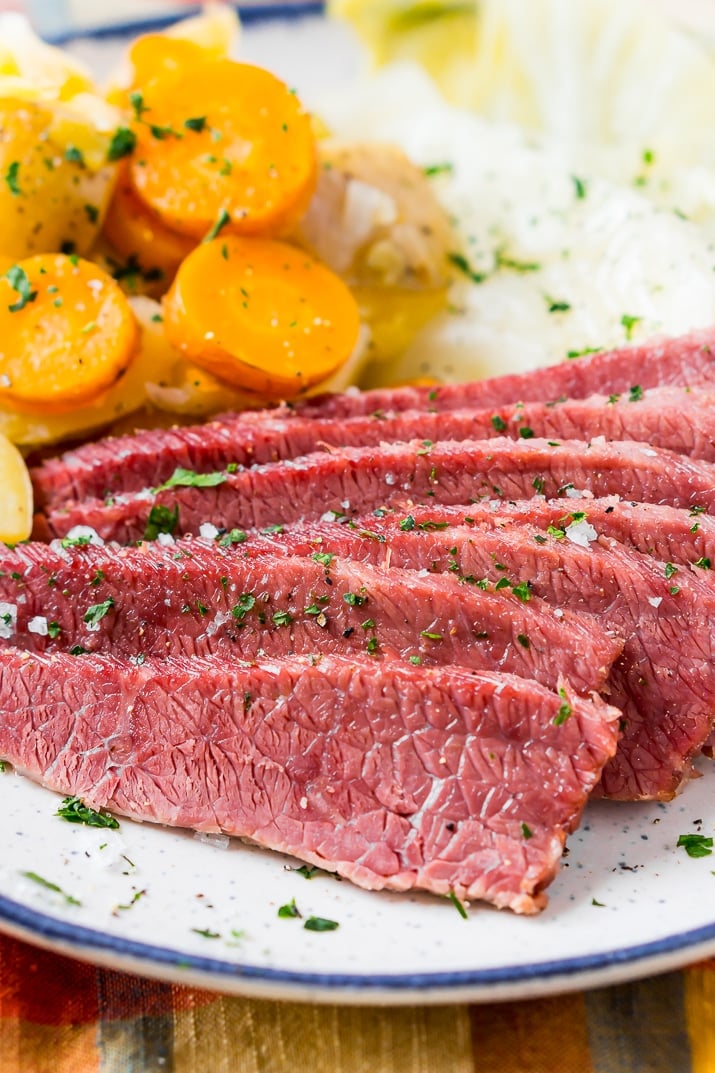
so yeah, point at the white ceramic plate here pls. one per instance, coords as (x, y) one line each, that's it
(208, 916)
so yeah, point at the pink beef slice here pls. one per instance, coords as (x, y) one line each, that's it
(664, 681)
(197, 598)
(352, 481)
(679, 419)
(684, 360)
(394, 777)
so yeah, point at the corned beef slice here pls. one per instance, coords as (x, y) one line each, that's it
(352, 481)
(664, 681)
(678, 419)
(197, 598)
(687, 359)
(666, 534)
(394, 777)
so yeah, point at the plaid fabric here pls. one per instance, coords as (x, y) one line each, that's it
(60, 1016)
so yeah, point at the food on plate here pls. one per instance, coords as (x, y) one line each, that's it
(422, 622)
(149, 458)
(395, 777)
(17, 499)
(348, 482)
(220, 600)
(281, 321)
(68, 333)
(231, 139)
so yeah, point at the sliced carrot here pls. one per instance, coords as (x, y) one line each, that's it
(15, 495)
(226, 143)
(261, 315)
(66, 333)
(153, 55)
(142, 237)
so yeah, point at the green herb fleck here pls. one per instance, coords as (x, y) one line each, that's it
(246, 603)
(19, 281)
(320, 924)
(48, 885)
(74, 811)
(186, 478)
(97, 612)
(289, 911)
(223, 219)
(12, 178)
(123, 143)
(197, 123)
(498, 423)
(695, 845)
(458, 905)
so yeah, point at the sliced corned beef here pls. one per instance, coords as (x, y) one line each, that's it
(678, 419)
(686, 359)
(666, 534)
(198, 598)
(351, 481)
(393, 777)
(664, 681)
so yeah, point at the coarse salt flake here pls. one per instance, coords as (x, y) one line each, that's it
(38, 625)
(208, 531)
(581, 533)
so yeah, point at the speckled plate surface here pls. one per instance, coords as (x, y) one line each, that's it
(627, 903)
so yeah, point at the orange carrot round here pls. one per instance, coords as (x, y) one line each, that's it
(141, 236)
(261, 315)
(227, 143)
(67, 333)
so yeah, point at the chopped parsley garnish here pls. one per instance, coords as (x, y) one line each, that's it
(53, 630)
(431, 636)
(282, 618)
(458, 905)
(11, 178)
(74, 811)
(289, 911)
(526, 433)
(246, 603)
(320, 924)
(438, 169)
(161, 520)
(19, 281)
(558, 307)
(696, 845)
(670, 569)
(522, 591)
(416, 660)
(354, 600)
(196, 123)
(538, 484)
(580, 188)
(206, 933)
(186, 478)
(498, 423)
(308, 871)
(73, 155)
(629, 324)
(91, 212)
(123, 143)
(97, 612)
(502, 261)
(582, 353)
(325, 558)
(223, 219)
(78, 651)
(136, 99)
(562, 714)
(48, 885)
(235, 536)
(635, 393)
(703, 563)
(460, 261)
(523, 640)
(407, 524)
(526, 831)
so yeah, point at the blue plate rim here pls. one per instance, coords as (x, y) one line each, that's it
(53, 929)
(249, 14)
